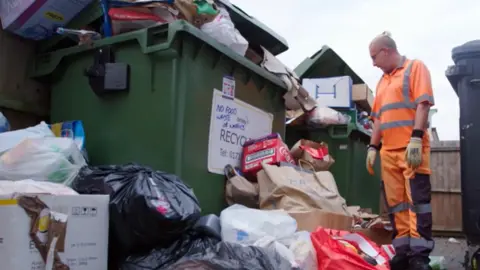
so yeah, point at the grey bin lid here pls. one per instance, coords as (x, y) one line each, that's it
(470, 49)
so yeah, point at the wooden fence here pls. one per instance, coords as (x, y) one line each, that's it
(446, 188)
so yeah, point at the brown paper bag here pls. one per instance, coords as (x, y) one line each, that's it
(318, 164)
(239, 190)
(292, 188)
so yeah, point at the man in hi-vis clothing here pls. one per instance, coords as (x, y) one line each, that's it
(400, 114)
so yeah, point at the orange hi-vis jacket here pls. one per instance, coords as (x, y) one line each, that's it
(396, 100)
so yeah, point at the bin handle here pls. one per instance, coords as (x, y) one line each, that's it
(154, 31)
(475, 81)
(53, 58)
(157, 29)
(339, 136)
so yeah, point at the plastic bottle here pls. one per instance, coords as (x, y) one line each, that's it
(4, 124)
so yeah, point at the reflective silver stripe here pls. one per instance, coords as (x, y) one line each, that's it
(406, 83)
(372, 114)
(394, 124)
(423, 98)
(418, 209)
(406, 104)
(399, 208)
(397, 105)
(421, 242)
(401, 241)
(421, 208)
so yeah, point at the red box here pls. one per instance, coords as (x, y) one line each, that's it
(270, 149)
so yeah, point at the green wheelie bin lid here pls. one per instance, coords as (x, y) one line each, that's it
(326, 63)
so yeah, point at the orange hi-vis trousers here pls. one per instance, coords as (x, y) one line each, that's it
(408, 197)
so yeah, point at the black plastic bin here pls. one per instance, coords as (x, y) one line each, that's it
(464, 77)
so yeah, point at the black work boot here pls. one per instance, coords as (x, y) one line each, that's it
(399, 262)
(420, 263)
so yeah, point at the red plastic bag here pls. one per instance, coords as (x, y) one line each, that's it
(317, 153)
(332, 254)
(389, 250)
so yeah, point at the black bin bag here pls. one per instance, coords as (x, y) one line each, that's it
(206, 253)
(148, 208)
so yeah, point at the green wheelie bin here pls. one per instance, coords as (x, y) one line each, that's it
(347, 143)
(156, 107)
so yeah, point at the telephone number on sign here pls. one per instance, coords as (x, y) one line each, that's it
(234, 155)
(230, 154)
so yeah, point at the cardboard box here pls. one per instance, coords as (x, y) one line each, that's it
(362, 96)
(379, 236)
(311, 220)
(86, 240)
(270, 149)
(335, 92)
(38, 19)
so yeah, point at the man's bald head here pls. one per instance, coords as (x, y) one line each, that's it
(384, 53)
(384, 40)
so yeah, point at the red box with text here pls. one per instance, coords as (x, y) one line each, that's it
(270, 149)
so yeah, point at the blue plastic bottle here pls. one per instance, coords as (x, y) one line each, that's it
(4, 125)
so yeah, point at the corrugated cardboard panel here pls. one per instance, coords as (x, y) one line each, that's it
(362, 96)
(310, 221)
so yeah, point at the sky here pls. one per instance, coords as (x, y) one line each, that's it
(425, 30)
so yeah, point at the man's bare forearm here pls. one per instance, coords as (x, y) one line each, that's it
(421, 116)
(376, 134)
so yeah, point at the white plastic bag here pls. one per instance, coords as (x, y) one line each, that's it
(328, 116)
(42, 159)
(29, 186)
(270, 243)
(437, 262)
(223, 30)
(244, 225)
(300, 245)
(10, 139)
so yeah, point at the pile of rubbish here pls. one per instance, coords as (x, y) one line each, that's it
(285, 211)
(124, 216)
(148, 219)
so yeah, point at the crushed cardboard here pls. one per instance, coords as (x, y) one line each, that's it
(311, 220)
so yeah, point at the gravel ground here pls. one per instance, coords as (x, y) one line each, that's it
(453, 252)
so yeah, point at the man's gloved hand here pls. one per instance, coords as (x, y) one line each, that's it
(371, 156)
(413, 154)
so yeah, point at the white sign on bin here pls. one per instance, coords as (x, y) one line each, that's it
(333, 92)
(232, 123)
